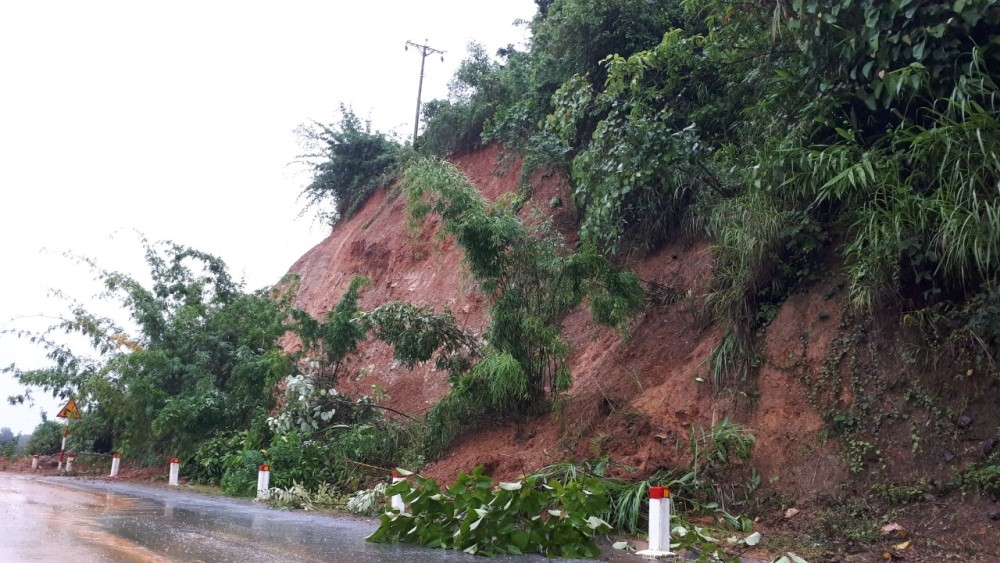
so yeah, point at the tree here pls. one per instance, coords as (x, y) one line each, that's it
(8, 442)
(348, 160)
(46, 439)
(476, 93)
(203, 356)
(572, 37)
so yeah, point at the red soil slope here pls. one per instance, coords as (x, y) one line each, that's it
(632, 400)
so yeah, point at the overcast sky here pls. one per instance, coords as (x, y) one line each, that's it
(175, 120)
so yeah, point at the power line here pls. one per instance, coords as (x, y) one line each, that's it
(424, 51)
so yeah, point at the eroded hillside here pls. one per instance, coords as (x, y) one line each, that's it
(635, 399)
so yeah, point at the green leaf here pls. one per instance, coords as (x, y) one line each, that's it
(866, 70)
(867, 98)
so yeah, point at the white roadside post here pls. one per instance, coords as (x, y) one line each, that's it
(659, 523)
(62, 449)
(396, 502)
(263, 477)
(34, 462)
(116, 461)
(69, 462)
(175, 471)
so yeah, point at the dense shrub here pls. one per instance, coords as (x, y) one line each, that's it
(348, 160)
(217, 454)
(240, 477)
(46, 439)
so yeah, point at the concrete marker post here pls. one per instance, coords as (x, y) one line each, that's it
(115, 464)
(659, 523)
(62, 450)
(34, 462)
(396, 502)
(175, 471)
(69, 462)
(263, 477)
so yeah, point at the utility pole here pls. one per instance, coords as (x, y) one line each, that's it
(424, 51)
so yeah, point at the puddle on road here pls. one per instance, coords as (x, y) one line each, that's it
(51, 523)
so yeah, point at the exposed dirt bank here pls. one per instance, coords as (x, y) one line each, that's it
(635, 400)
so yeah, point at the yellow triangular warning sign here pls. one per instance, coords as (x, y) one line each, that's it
(70, 410)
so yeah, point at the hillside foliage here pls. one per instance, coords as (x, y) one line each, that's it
(194, 355)
(782, 131)
(852, 140)
(532, 281)
(348, 160)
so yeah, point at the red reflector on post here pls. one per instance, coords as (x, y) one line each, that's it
(174, 460)
(265, 468)
(658, 492)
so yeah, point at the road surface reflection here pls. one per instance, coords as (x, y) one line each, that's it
(59, 519)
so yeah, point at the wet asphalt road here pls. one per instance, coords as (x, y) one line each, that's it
(65, 519)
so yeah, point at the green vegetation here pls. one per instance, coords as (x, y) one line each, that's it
(561, 509)
(471, 515)
(804, 139)
(775, 130)
(982, 476)
(8, 443)
(46, 439)
(203, 357)
(532, 282)
(716, 480)
(197, 378)
(348, 160)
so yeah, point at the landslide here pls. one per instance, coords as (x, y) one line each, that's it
(631, 399)
(635, 400)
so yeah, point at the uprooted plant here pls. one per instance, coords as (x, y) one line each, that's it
(529, 516)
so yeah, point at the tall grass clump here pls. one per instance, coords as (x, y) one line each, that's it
(717, 480)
